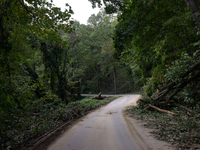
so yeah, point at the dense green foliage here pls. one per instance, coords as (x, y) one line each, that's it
(160, 40)
(91, 58)
(26, 29)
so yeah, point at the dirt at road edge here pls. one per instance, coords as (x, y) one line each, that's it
(142, 136)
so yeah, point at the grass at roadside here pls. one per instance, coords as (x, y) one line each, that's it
(20, 127)
(181, 130)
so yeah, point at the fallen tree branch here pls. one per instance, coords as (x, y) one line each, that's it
(178, 87)
(189, 110)
(167, 86)
(181, 86)
(98, 96)
(191, 68)
(146, 107)
(162, 110)
(162, 92)
(144, 101)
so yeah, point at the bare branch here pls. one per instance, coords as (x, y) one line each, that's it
(162, 110)
(169, 86)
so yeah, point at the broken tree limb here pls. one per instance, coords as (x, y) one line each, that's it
(191, 68)
(171, 86)
(162, 110)
(160, 93)
(98, 96)
(163, 94)
(167, 86)
(187, 109)
(146, 108)
(144, 101)
(181, 86)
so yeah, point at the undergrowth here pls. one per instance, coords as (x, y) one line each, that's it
(181, 130)
(19, 127)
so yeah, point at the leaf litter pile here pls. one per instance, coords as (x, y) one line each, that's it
(180, 129)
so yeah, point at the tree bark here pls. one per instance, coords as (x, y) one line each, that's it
(162, 110)
(115, 84)
(52, 83)
(169, 86)
(193, 5)
(98, 96)
(62, 88)
(194, 8)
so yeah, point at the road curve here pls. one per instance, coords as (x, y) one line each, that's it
(103, 129)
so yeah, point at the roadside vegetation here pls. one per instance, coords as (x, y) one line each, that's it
(21, 127)
(182, 129)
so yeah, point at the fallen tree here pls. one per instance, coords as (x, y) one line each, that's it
(175, 88)
(168, 93)
(99, 97)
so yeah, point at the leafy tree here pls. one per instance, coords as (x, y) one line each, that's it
(155, 33)
(91, 57)
(20, 22)
(33, 60)
(111, 6)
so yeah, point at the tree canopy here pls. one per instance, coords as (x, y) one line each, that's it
(157, 38)
(24, 26)
(160, 37)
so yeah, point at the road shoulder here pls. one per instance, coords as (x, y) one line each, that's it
(141, 135)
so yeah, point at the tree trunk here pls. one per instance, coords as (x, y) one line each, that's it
(62, 88)
(34, 76)
(115, 84)
(193, 5)
(11, 89)
(194, 8)
(52, 82)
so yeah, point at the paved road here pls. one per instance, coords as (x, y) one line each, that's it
(104, 129)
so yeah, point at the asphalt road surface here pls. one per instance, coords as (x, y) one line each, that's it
(103, 129)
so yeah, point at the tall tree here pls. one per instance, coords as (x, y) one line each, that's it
(153, 34)
(91, 57)
(18, 20)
